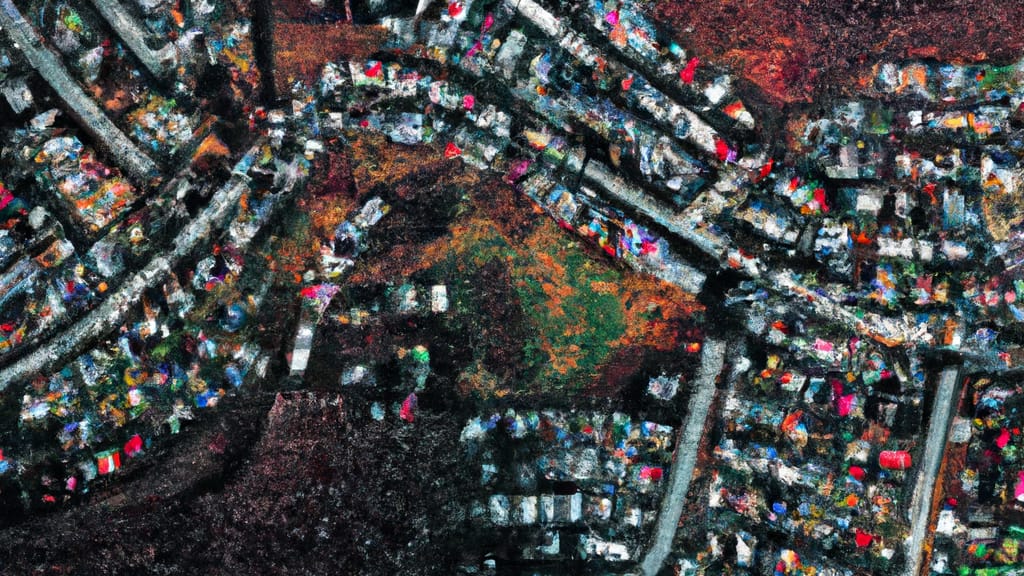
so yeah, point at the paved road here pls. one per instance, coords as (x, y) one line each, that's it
(111, 313)
(711, 362)
(160, 62)
(938, 431)
(126, 155)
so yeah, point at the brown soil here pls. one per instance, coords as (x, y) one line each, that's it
(302, 49)
(802, 50)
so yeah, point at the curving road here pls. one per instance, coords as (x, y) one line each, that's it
(97, 323)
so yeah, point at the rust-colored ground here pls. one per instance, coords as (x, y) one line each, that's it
(497, 235)
(802, 50)
(536, 284)
(301, 49)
